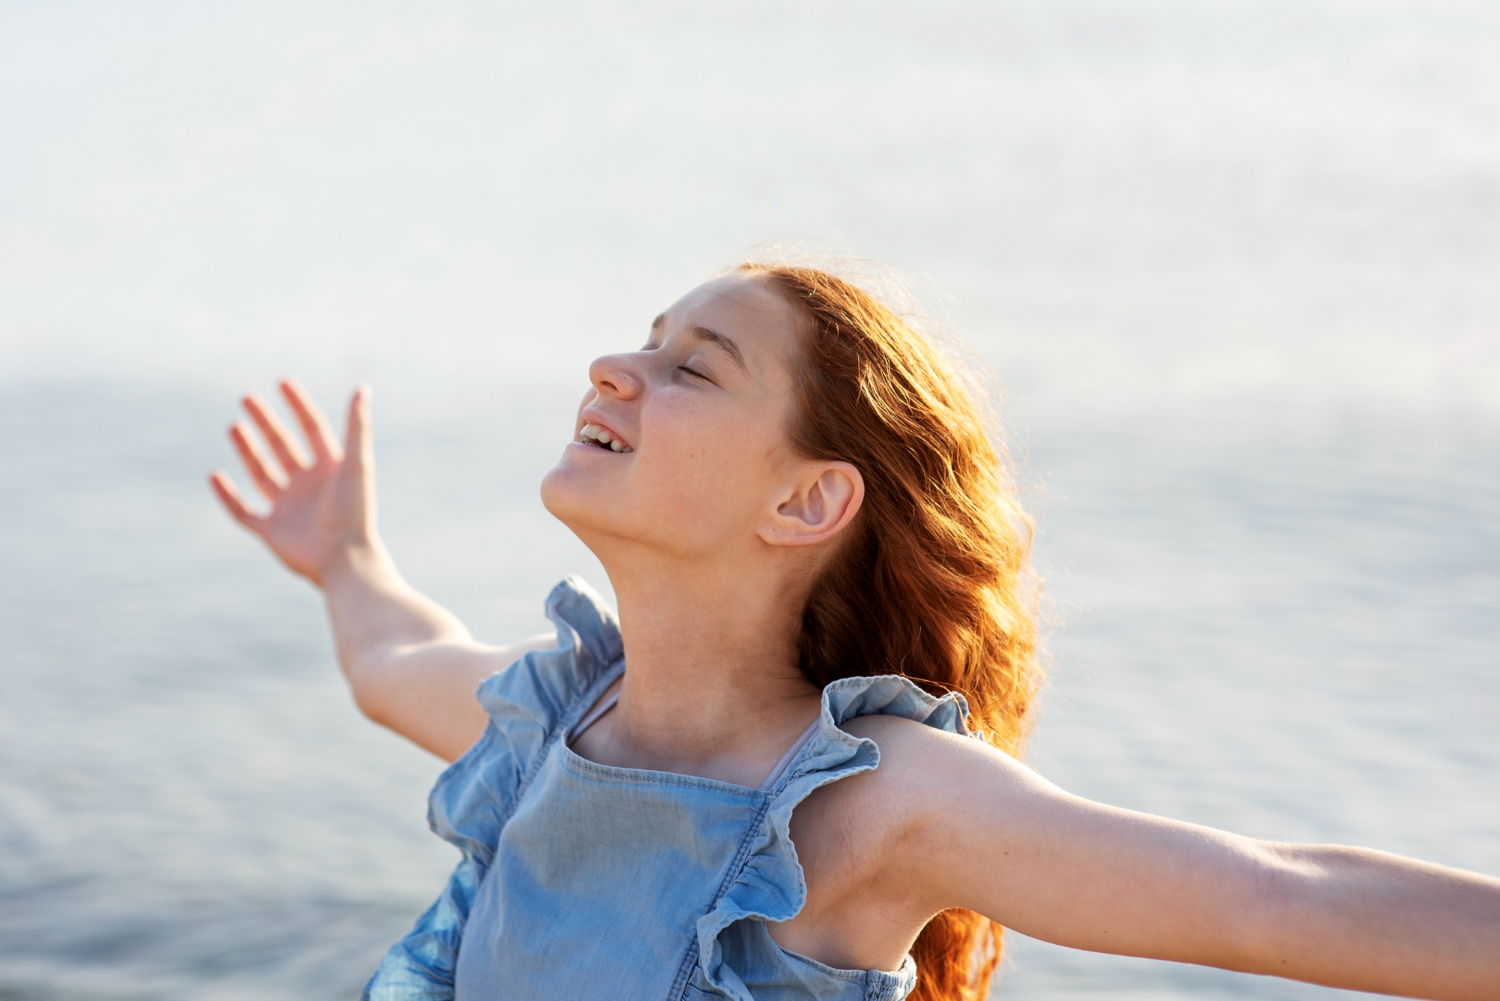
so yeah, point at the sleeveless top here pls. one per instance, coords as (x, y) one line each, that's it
(580, 880)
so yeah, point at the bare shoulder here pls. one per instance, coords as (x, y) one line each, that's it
(869, 844)
(923, 774)
(922, 765)
(932, 791)
(898, 732)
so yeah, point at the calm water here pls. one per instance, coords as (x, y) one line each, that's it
(1233, 263)
(1288, 631)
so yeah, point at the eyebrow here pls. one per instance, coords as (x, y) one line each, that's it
(711, 336)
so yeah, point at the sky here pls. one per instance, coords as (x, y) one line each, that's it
(1284, 204)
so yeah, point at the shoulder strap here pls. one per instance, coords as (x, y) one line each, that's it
(603, 706)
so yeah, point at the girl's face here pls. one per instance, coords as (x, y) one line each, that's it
(697, 462)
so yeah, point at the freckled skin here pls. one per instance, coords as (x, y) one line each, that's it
(697, 477)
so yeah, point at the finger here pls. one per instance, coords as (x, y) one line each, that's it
(283, 445)
(319, 435)
(230, 498)
(358, 445)
(255, 462)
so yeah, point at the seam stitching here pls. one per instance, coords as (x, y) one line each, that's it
(741, 857)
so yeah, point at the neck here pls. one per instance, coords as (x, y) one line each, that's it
(712, 685)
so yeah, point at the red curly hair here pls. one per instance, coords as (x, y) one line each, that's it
(939, 555)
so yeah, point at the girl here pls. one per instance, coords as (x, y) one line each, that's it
(805, 785)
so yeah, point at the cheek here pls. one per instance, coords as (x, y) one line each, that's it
(705, 468)
(700, 480)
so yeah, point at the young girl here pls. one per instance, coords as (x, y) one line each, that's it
(789, 770)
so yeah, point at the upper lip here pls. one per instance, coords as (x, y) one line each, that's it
(593, 417)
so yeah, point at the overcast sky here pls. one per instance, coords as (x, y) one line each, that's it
(1116, 203)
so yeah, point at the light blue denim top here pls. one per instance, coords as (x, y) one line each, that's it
(586, 881)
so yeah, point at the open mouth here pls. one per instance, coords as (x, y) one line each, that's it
(593, 434)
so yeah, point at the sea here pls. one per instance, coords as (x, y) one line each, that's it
(1225, 270)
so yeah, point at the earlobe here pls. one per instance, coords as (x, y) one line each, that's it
(819, 507)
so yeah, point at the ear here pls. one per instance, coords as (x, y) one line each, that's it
(817, 507)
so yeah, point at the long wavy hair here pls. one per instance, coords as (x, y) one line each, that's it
(933, 580)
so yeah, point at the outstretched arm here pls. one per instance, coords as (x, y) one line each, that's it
(411, 665)
(999, 839)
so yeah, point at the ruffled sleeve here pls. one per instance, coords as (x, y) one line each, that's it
(771, 885)
(529, 704)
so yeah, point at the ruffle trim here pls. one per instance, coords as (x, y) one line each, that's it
(528, 703)
(771, 885)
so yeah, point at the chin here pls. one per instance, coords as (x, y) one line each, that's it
(560, 490)
(577, 497)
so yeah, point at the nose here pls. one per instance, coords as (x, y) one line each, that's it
(615, 375)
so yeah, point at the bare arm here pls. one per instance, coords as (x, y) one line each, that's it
(411, 665)
(999, 839)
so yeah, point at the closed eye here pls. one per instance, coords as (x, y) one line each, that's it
(693, 372)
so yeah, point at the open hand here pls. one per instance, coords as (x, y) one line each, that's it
(319, 506)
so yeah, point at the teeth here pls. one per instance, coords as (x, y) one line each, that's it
(595, 433)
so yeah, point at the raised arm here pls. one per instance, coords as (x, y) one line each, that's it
(997, 838)
(411, 665)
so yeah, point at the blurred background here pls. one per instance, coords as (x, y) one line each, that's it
(1232, 264)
